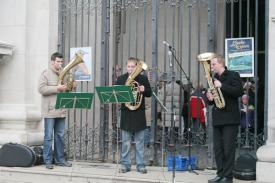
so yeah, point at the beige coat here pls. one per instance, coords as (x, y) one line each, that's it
(48, 88)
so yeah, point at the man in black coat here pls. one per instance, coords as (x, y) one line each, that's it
(225, 120)
(133, 122)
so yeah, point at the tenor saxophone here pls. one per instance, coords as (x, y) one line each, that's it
(204, 59)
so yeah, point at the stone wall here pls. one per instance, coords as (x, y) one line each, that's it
(31, 26)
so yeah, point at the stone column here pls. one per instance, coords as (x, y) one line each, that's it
(266, 154)
(31, 26)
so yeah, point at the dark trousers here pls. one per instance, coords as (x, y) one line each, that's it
(224, 148)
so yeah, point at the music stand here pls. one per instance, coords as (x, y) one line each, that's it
(74, 100)
(115, 94)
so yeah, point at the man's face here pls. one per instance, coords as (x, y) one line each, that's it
(216, 67)
(245, 99)
(131, 65)
(57, 63)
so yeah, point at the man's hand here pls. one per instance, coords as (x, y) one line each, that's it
(74, 85)
(141, 88)
(61, 88)
(217, 84)
(209, 95)
(70, 86)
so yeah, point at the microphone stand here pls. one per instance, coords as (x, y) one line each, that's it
(163, 108)
(171, 145)
(189, 86)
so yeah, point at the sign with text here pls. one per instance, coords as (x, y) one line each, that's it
(83, 71)
(239, 55)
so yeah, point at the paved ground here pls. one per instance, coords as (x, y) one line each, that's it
(100, 173)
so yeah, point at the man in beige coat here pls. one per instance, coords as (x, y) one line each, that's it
(54, 119)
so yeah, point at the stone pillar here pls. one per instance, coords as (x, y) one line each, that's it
(266, 154)
(31, 26)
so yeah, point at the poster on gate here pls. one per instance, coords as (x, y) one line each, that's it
(239, 55)
(82, 71)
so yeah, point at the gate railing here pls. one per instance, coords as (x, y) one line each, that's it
(118, 29)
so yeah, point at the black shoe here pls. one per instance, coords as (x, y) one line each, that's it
(65, 164)
(123, 169)
(142, 170)
(226, 180)
(214, 180)
(49, 166)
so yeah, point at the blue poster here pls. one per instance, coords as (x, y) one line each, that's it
(239, 55)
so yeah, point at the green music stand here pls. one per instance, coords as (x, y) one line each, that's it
(115, 94)
(75, 100)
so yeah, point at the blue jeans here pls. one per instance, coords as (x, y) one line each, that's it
(126, 149)
(53, 126)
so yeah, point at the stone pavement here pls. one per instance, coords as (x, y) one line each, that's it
(84, 172)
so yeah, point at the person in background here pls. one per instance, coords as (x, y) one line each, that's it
(198, 109)
(54, 119)
(133, 122)
(247, 113)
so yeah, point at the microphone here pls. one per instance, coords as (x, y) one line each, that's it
(170, 58)
(167, 44)
(179, 82)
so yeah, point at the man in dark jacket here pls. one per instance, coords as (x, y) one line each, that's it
(225, 120)
(133, 122)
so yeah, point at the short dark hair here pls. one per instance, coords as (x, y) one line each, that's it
(56, 55)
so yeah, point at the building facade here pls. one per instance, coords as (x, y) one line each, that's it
(31, 30)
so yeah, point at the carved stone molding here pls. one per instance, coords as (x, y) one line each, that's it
(5, 49)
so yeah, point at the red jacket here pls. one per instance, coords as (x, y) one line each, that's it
(196, 107)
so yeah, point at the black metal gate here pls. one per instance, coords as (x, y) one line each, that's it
(117, 29)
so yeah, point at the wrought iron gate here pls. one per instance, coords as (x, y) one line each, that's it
(118, 29)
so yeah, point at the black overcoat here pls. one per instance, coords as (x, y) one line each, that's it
(231, 89)
(134, 121)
